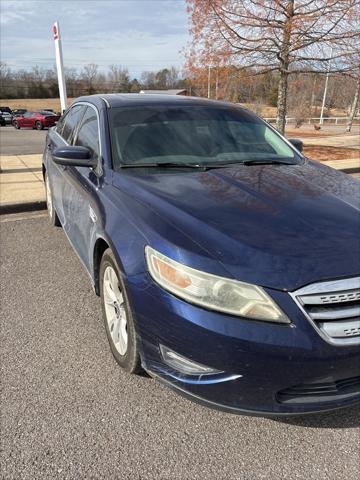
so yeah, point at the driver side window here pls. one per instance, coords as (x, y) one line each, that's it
(72, 120)
(60, 123)
(88, 133)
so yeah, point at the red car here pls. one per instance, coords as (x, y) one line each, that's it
(38, 120)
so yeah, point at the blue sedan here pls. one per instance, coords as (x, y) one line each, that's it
(227, 262)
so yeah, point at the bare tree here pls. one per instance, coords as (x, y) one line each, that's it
(354, 106)
(5, 72)
(90, 74)
(148, 79)
(7, 81)
(163, 79)
(287, 36)
(119, 78)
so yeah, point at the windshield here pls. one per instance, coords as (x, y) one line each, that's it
(193, 134)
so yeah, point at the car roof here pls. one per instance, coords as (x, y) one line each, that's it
(112, 100)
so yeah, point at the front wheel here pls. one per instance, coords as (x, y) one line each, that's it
(16, 125)
(118, 319)
(38, 125)
(53, 218)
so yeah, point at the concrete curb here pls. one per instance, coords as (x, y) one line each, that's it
(22, 207)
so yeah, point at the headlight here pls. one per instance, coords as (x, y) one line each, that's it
(213, 292)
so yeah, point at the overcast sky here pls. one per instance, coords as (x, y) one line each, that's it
(139, 34)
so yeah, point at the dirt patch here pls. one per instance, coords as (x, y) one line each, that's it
(324, 153)
(299, 133)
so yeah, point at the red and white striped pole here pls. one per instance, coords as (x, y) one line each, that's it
(60, 66)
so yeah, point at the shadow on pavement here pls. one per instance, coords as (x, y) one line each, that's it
(344, 418)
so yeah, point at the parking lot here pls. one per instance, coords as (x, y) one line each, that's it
(21, 142)
(68, 411)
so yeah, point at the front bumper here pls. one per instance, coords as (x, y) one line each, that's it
(259, 361)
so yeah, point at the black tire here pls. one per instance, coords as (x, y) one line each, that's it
(130, 361)
(38, 125)
(17, 126)
(52, 215)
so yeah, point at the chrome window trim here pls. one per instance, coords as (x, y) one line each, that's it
(106, 102)
(327, 287)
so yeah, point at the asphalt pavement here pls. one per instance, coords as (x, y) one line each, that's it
(69, 412)
(21, 142)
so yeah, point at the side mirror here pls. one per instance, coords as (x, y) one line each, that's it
(297, 143)
(74, 156)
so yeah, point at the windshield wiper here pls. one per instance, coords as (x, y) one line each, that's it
(267, 162)
(206, 166)
(170, 165)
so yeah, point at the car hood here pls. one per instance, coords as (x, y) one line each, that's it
(277, 226)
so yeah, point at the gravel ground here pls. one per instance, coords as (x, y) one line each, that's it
(68, 411)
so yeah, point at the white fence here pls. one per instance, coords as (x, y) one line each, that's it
(314, 120)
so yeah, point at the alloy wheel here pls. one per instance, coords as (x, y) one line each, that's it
(115, 310)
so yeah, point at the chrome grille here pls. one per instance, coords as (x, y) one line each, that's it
(333, 308)
(333, 297)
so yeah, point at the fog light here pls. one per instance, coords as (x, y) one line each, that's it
(185, 365)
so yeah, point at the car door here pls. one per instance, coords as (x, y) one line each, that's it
(27, 119)
(80, 189)
(62, 135)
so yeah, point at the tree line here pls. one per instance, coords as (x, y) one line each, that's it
(229, 82)
(42, 82)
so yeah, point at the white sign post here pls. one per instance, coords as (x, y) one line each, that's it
(60, 66)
